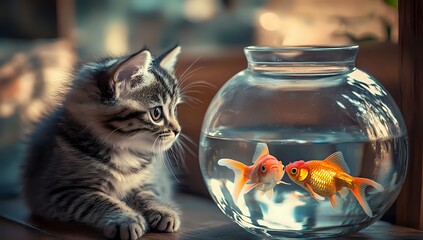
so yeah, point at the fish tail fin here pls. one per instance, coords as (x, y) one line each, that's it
(358, 190)
(240, 179)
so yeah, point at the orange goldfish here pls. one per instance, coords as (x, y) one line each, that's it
(325, 178)
(263, 175)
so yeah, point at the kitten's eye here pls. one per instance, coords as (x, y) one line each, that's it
(156, 113)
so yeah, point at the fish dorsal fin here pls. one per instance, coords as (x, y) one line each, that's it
(261, 150)
(337, 159)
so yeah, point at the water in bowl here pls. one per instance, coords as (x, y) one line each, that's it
(292, 212)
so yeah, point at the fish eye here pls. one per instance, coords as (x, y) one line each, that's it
(263, 168)
(156, 113)
(294, 170)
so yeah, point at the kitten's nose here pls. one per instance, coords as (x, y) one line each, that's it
(176, 132)
(174, 127)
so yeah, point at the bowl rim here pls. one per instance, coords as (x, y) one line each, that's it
(301, 48)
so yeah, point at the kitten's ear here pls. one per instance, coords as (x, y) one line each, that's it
(168, 59)
(133, 66)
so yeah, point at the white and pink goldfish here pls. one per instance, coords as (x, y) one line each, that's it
(264, 174)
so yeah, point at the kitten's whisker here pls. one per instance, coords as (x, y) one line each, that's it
(178, 155)
(179, 149)
(167, 162)
(185, 145)
(154, 145)
(170, 168)
(182, 75)
(192, 91)
(192, 100)
(187, 101)
(188, 149)
(175, 157)
(187, 95)
(189, 139)
(183, 79)
(181, 152)
(199, 84)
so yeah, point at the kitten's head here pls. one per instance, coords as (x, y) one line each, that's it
(129, 102)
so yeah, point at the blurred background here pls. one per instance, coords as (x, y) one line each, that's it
(41, 41)
(116, 27)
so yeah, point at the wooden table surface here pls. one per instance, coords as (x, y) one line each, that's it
(201, 220)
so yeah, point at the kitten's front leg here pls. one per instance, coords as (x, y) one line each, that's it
(100, 210)
(160, 216)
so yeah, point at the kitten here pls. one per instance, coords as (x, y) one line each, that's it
(98, 158)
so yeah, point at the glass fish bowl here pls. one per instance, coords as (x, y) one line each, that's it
(303, 144)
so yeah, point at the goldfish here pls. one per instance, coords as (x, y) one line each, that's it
(324, 178)
(264, 174)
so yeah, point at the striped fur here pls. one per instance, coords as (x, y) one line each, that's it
(98, 158)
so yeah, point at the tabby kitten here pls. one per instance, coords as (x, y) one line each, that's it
(98, 158)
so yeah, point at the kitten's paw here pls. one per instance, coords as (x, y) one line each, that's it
(125, 227)
(163, 219)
